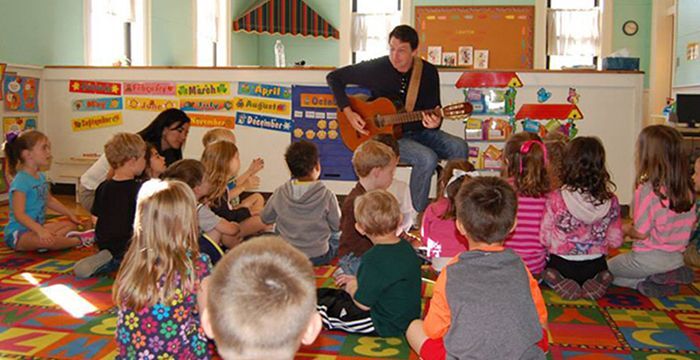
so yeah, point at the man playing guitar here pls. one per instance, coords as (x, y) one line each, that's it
(422, 143)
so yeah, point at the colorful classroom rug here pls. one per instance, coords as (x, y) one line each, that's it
(38, 294)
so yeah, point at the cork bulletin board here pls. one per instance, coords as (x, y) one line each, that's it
(480, 37)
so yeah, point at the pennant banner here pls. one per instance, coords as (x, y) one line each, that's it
(264, 90)
(95, 87)
(149, 88)
(203, 89)
(20, 93)
(202, 120)
(150, 104)
(96, 122)
(263, 122)
(265, 106)
(206, 105)
(98, 104)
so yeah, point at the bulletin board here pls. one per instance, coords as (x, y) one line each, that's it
(507, 32)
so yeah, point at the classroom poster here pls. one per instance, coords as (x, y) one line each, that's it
(315, 119)
(206, 105)
(203, 89)
(94, 87)
(264, 90)
(211, 121)
(265, 106)
(96, 122)
(2, 75)
(98, 104)
(263, 122)
(18, 123)
(149, 88)
(20, 93)
(149, 104)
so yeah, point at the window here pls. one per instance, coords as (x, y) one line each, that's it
(372, 21)
(116, 32)
(212, 28)
(573, 33)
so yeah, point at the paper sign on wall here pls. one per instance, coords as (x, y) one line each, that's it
(273, 107)
(203, 89)
(263, 122)
(264, 90)
(2, 75)
(20, 93)
(98, 104)
(202, 120)
(150, 104)
(94, 87)
(149, 88)
(206, 105)
(96, 122)
(18, 123)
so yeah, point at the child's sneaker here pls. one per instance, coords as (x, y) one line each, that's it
(88, 266)
(681, 276)
(651, 289)
(87, 237)
(566, 288)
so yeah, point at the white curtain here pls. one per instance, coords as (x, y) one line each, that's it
(121, 9)
(370, 31)
(573, 32)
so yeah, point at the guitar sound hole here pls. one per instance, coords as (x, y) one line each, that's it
(378, 121)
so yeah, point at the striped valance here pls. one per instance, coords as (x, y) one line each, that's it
(284, 17)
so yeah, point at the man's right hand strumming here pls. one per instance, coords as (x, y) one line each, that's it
(355, 120)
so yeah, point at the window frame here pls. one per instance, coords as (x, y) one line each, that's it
(403, 7)
(596, 62)
(142, 7)
(222, 47)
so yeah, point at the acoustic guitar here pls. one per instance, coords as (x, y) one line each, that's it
(382, 117)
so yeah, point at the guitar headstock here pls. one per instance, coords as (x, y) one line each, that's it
(457, 111)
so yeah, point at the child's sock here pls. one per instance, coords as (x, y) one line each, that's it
(649, 288)
(566, 288)
(87, 237)
(681, 276)
(596, 287)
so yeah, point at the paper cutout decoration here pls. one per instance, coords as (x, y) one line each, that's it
(549, 111)
(496, 129)
(573, 96)
(96, 122)
(293, 17)
(206, 105)
(435, 55)
(260, 105)
(20, 93)
(203, 120)
(264, 90)
(150, 104)
(2, 75)
(203, 89)
(98, 104)
(465, 56)
(481, 59)
(473, 129)
(510, 100)
(18, 123)
(489, 79)
(149, 88)
(263, 122)
(543, 95)
(94, 87)
(449, 59)
(531, 126)
(492, 158)
(475, 157)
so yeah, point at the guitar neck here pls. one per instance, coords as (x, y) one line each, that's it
(407, 117)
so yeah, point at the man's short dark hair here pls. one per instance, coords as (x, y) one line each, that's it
(407, 34)
(486, 208)
(301, 158)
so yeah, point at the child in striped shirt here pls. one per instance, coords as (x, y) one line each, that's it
(581, 220)
(526, 170)
(664, 216)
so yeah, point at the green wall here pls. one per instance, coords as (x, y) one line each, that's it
(639, 44)
(41, 32)
(688, 31)
(172, 33)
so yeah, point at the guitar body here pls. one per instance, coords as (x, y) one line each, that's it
(369, 112)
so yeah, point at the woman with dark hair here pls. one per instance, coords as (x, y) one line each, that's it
(167, 132)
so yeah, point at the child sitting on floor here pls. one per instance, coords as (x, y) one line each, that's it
(485, 304)
(385, 296)
(114, 206)
(260, 301)
(27, 229)
(305, 212)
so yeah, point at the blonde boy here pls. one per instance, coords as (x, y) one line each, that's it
(115, 203)
(375, 165)
(260, 301)
(385, 296)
